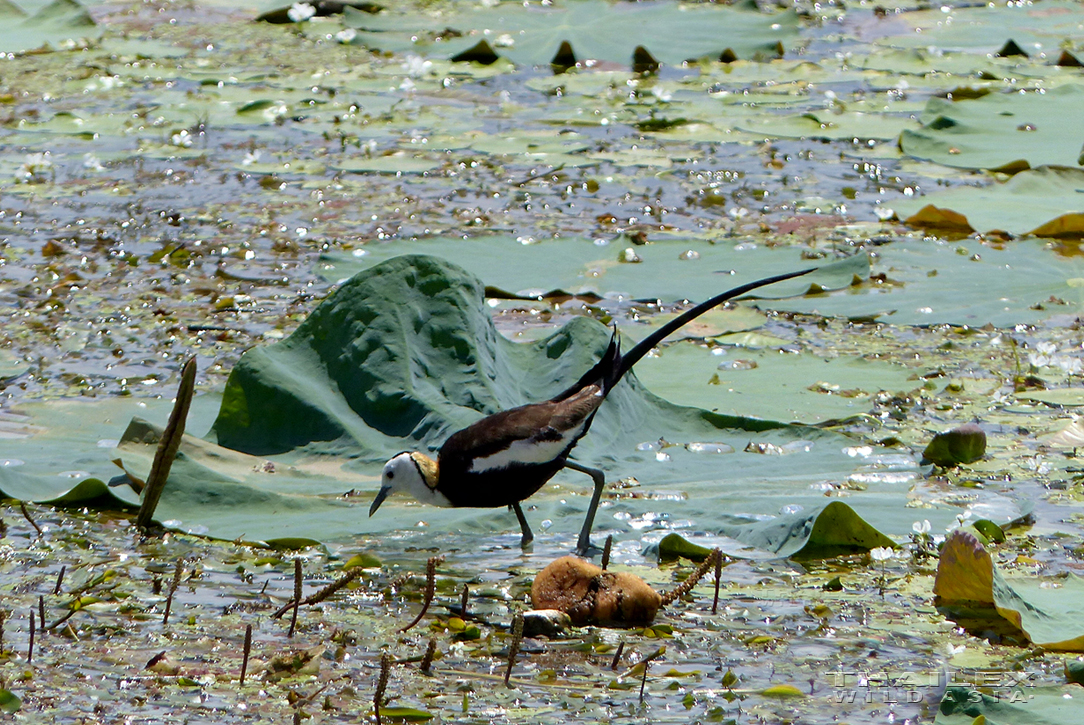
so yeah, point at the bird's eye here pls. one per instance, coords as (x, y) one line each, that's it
(391, 474)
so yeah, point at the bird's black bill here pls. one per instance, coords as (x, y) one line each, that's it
(380, 496)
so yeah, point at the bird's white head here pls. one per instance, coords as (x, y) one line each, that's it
(413, 473)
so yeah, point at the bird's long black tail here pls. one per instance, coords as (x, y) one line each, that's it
(613, 365)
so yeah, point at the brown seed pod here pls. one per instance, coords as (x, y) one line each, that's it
(590, 595)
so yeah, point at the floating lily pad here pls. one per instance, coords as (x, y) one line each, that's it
(799, 387)
(575, 264)
(532, 35)
(1038, 29)
(828, 125)
(405, 714)
(1064, 397)
(675, 546)
(1002, 132)
(1023, 703)
(1043, 202)
(11, 366)
(391, 164)
(962, 283)
(9, 702)
(60, 24)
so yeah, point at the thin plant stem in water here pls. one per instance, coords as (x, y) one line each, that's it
(617, 655)
(381, 684)
(430, 653)
(430, 589)
(30, 645)
(173, 589)
(718, 553)
(28, 517)
(513, 648)
(168, 445)
(297, 597)
(247, 649)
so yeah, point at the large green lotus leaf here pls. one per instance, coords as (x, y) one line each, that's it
(53, 26)
(1011, 705)
(580, 265)
(1051, 616)
(1002, 132)
(1038, 28)
(1047, 201)
(531, 34)
(960, 283)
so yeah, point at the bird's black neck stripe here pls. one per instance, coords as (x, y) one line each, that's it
(432, 484)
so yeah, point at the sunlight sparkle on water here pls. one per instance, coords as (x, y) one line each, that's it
(882, 477)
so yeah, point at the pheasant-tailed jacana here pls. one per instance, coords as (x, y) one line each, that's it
(506, 457)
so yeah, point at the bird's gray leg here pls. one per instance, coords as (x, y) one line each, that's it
(528, 537)
(583, 545)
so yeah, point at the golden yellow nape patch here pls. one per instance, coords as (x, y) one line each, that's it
(428, 468)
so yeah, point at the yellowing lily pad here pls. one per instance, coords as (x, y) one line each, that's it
(1050, 614)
